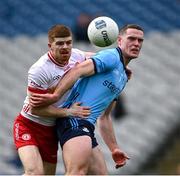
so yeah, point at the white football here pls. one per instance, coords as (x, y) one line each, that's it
(103, 31)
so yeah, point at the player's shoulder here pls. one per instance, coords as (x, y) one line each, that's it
(41, 64)
(108, 53)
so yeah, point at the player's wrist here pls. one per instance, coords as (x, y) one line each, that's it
(68, 112)
(114, 148)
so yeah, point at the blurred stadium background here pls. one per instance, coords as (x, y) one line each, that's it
(149, 133)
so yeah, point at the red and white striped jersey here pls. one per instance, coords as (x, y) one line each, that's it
(43, 76)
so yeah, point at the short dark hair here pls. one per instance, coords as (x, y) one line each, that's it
(131, 26)
(58, 31)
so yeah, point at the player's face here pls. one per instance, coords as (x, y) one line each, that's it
(131, 43)
(61, 49)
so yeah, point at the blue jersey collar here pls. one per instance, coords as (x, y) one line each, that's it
(121, 57)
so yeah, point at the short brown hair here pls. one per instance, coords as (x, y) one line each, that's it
(132, 26)
(58, 31)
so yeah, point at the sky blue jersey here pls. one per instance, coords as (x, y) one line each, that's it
(99, 90)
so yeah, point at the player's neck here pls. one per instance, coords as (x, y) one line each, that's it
(126, 61)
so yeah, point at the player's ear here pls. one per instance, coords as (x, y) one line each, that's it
(119, 39)
(49, 45)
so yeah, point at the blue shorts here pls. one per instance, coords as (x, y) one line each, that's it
(68, 128)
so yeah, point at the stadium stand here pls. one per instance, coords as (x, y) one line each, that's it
(152, 96)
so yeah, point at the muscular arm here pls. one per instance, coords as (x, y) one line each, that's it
(53, 112)
(106, 128)
(83, 69)
(86, 68)
(50, 112)
(108, 135)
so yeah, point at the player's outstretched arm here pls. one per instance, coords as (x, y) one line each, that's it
(83, 69)
(50, 111)
(108, 135)
(41, 100)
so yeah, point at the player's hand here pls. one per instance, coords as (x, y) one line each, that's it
(119, 158)
(77, 110)
(39, 100)
(129, 73)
